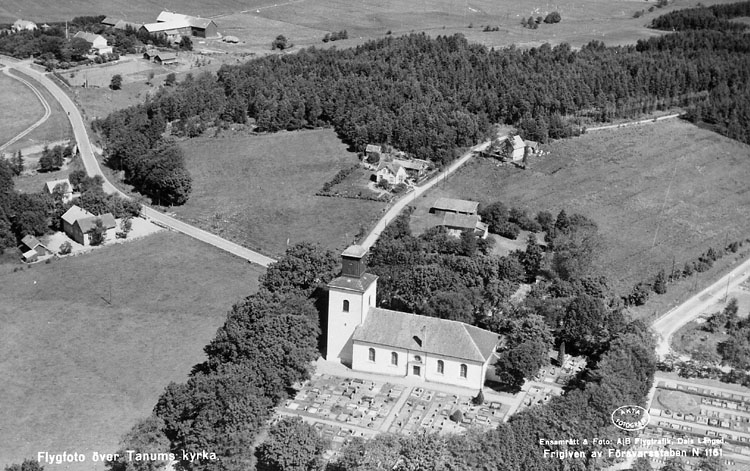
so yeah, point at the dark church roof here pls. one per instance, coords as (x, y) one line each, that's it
(437, 336)
(353, 283)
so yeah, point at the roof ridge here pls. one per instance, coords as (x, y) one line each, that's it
(473, 342)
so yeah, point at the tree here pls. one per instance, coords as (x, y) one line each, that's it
(303, 269)
(532, 258)
(522, 361)
(660, 283)
(171, 79)
(449, 305)
(587, 326)
(553, 17)
(27, 465)
(146, 437)
(292, 445)
(98, 233)
(51, 159)
(478, 400)
(116, 82)
(186, 44)
(79, 47)
(280, 43)
(66, 248)
(18, 163)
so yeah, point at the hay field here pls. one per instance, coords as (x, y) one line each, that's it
(658, 192)
(19, 108)
(80, 363)
(259, 191)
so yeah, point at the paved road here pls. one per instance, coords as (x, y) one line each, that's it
(702, 302)
(92, 168)
(47, 110)
(394, 210)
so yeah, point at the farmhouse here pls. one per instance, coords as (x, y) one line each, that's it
(458, 223)
(391, 172)
(78, 223)
(173, 31)
(23, 25)
(196, 26)
(450, 205)
(65, 186)
(515, 148)
(33, 249)
(120, 24)
(415, 169)
(98, 43)
(383, 341)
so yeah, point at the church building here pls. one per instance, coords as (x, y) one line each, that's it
(383, 341)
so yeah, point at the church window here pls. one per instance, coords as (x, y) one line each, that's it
(463, 370)
(372, 354)
(346, 305)
(441, 367)
(394, 358)
(418, 358)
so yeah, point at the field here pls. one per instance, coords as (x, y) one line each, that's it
(19, 108)
(659, 192)
(56, 128)
(88, 343)
(259, 191)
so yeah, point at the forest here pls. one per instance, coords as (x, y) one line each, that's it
(714, 17)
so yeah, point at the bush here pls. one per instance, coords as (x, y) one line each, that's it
(553, 17)
(65, 248)
(508, 230)
(457, 416)
(478, 400)
(384, 185)
(116, 82)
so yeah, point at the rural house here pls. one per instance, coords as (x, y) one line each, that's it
(391, 172)
(174, 25)
(415, 169)
(98, 42)
(23, 25)
(165, 58)
(382, 341)
(458, 223)
(65, 186)
(77, 223)
(515, 148)
(33, 249)
(451, 205)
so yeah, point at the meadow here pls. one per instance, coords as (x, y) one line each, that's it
(88, 343)
(259, 190)
(660, 192)
(56, 128)
(19, 108)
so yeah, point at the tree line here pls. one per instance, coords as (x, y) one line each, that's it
(714, 17)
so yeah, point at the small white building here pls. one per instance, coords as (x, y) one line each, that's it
(515, 148)
(98, 42)
(23, 25)
(65, 186)
(387, 342)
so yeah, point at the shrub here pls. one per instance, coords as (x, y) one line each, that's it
(384, 185)
(65, 248)
(478, 400)
(553, 17)
(457, 416)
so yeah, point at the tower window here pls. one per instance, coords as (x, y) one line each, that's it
(394, 358)
(463, 370)
(371, 354)
(346, 305)
(441, 367)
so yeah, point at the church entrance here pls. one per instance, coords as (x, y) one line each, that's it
(416, 370)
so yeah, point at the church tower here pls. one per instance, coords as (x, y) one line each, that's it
(350, 297)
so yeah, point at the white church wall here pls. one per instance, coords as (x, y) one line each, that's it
(382, 364)
(341, 324)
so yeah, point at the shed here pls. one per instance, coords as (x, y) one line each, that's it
(67, 188)
(31, 243)
(165, 58)
(451, 205)
(458, 223)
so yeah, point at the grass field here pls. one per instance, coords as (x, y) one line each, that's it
(658, 192)
(19, 108)
(259, 191)
(56, 128)
(78, 371)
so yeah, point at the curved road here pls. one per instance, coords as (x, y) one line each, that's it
(92, 168)
(47, 110)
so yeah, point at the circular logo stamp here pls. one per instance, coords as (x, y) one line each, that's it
(630, 418)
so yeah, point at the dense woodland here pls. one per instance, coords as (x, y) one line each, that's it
(714, 17)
